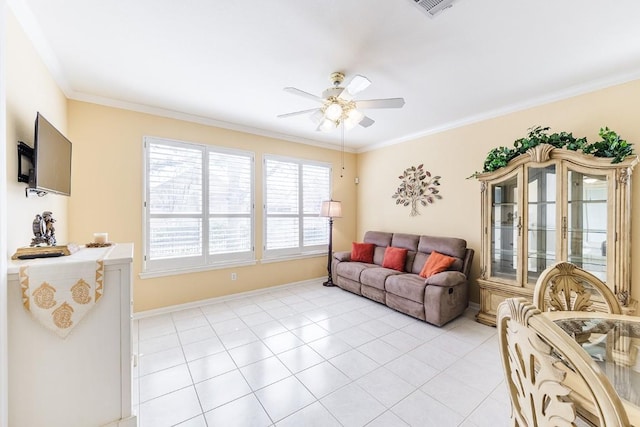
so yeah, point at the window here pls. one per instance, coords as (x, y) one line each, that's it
(198, 205)
(293, 191)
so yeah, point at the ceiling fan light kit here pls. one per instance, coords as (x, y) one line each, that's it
(339, 107)
(333, 111)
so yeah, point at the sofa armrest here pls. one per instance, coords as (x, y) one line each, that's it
(342, 256)
(447, 279)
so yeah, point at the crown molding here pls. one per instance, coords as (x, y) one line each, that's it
(573, 91)
(171, 114)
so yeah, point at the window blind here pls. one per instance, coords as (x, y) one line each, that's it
(294, 191)
(199, 205)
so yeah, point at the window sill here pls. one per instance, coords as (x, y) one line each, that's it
(177, 271)
(282, 258)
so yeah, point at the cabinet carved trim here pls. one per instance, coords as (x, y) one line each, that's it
(624, 176)
(540, 153)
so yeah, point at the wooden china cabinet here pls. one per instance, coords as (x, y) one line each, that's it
(551, 205)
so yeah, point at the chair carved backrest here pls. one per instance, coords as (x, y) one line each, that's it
(551, 381)
(566, 287)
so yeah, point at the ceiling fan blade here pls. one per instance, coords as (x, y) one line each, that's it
(366, 122)
(302, 93)
(357, 84)
(381, 103)
(297, 113)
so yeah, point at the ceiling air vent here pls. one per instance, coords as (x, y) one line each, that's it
(433, 7)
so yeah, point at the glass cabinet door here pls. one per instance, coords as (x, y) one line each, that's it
(505, 228)
(586, 222)
(541, 220)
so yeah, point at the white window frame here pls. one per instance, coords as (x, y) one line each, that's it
(205, 261)
(300, 251)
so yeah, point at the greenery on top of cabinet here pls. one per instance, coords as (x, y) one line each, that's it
(611, 145)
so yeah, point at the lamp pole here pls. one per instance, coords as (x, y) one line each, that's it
(330, 209)
(329, 281)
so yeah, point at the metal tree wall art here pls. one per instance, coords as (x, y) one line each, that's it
(417, 186)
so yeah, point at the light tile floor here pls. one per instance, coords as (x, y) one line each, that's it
(307, 355)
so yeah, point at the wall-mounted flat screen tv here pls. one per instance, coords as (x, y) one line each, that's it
(52, 159)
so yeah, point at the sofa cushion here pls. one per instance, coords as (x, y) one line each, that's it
(418, 263)
(436, 263)
(352, 270)
(394, 258)
(378, 238)
(409, 286)
(378, 255)
(445, 245)
(406, 241)
(376, 276)
(408, 265)
(381, 240)
(362, 252)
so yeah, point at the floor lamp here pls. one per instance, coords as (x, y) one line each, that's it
(330, 209)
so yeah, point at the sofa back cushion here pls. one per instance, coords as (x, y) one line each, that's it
(405, 241)
(378, 238)
(381, 240)
(451, 246)
(418, 262)
(408, 242)
(419, 248)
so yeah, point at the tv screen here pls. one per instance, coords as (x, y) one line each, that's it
(52, 159)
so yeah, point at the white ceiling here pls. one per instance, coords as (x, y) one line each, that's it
(225, 62)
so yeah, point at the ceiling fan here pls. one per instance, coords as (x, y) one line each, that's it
(339, 107)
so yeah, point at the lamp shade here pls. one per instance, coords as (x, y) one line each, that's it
(331, 209)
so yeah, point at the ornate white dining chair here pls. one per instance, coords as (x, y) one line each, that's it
(551, 381)
(566, 287)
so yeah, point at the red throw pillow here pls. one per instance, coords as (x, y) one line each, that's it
(362, 252)
(436, 263)
(394, 258)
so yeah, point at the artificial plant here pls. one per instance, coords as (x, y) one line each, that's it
(611, 145)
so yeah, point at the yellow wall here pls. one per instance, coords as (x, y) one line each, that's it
(30, 88)
(107, 196)
(458, 153)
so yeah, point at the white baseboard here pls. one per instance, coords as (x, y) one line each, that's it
(200, 303)
(474, 305)
(125, 422)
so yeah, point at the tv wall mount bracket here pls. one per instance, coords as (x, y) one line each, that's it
(25, 169)
(25, 162)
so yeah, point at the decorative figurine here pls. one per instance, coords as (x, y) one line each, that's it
(43, 230)
(50, 231)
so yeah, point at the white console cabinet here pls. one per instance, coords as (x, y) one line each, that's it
(84, 380)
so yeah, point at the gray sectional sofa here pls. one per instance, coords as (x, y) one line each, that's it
(437, 299)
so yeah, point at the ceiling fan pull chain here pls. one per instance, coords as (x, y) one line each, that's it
(342, 170)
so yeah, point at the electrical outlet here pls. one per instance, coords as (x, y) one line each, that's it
(234, 276)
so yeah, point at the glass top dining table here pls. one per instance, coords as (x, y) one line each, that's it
(612, 341)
